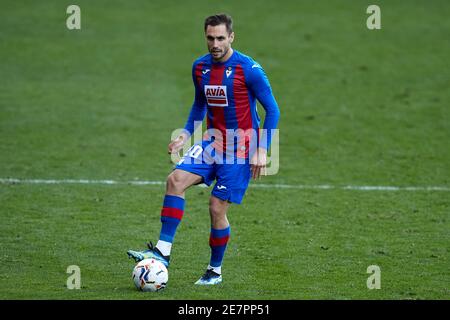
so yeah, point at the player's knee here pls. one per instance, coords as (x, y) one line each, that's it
(217, 209)
(214, 210)
(175, 184)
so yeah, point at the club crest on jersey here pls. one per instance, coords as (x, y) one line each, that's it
(216, 96)
(228, 72)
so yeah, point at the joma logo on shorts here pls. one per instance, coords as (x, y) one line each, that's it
(216, 96)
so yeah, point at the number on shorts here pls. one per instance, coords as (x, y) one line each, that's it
(194, 151)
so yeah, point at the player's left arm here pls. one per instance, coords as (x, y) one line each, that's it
(260, 87)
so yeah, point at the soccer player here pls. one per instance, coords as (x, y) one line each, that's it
(227, 84)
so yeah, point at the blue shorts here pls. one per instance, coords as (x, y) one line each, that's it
(232, 179)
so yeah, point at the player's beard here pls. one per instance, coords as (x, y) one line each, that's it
(224, 53)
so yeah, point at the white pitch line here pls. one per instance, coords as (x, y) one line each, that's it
(253, 185)
(73, 181)
(361, 188)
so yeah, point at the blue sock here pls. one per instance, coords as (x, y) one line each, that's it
(218, 240)
(171, 215)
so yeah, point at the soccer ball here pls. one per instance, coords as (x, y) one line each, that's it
(150, 275)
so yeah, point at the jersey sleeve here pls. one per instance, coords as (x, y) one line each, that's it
(198, 109)
(259, 84)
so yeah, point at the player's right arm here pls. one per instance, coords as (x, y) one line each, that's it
(196, 116)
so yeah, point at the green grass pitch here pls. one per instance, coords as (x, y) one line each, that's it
(358, 107)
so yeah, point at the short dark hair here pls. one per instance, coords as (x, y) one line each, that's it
(217, 19)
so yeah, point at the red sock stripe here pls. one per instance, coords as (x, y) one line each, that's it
(172, 213)
(218, 241)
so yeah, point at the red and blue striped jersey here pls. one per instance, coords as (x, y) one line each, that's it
(226, 92)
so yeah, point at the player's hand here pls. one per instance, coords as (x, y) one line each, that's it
(258, 163)
(177, 144)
